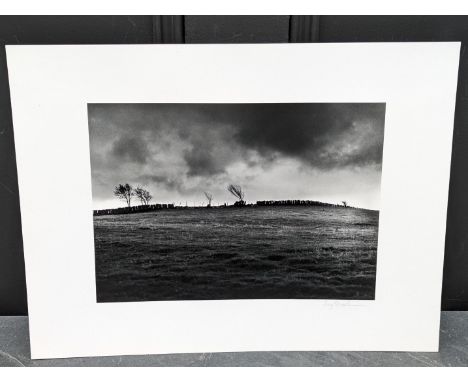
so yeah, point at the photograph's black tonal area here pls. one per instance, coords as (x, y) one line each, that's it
(236, 201)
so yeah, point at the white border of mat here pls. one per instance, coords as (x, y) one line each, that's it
(50, 88)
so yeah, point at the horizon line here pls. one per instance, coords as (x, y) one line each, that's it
(258, 203)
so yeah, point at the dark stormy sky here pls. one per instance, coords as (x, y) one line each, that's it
(326, 152)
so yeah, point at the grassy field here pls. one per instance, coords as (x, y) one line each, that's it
(237, 253)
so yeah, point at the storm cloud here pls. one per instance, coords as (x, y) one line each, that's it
(188, 147)
(130, 148)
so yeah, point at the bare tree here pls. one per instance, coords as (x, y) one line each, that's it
(143, 195)
(209, 197)
(237, 192)
(345, 204)
(125, 192)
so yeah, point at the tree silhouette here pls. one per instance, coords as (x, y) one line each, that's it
(345, 204)
(209, 197)
(237, 192)
(143, 195)
(125, 192)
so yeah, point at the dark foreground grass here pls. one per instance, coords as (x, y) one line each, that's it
(237, 253)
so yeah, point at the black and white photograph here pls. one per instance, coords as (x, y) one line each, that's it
(236, 201)
(233, 198)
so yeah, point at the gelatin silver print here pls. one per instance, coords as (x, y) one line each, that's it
(236, 201)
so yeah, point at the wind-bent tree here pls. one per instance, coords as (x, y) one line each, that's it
(125, 192)
(237, 192)
(143, 195)
(208, 197)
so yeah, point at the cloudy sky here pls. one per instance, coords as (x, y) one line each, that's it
(325, 152)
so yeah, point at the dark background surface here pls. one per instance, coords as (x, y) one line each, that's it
(230, 29)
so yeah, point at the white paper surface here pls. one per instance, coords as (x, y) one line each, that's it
(50, 88)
